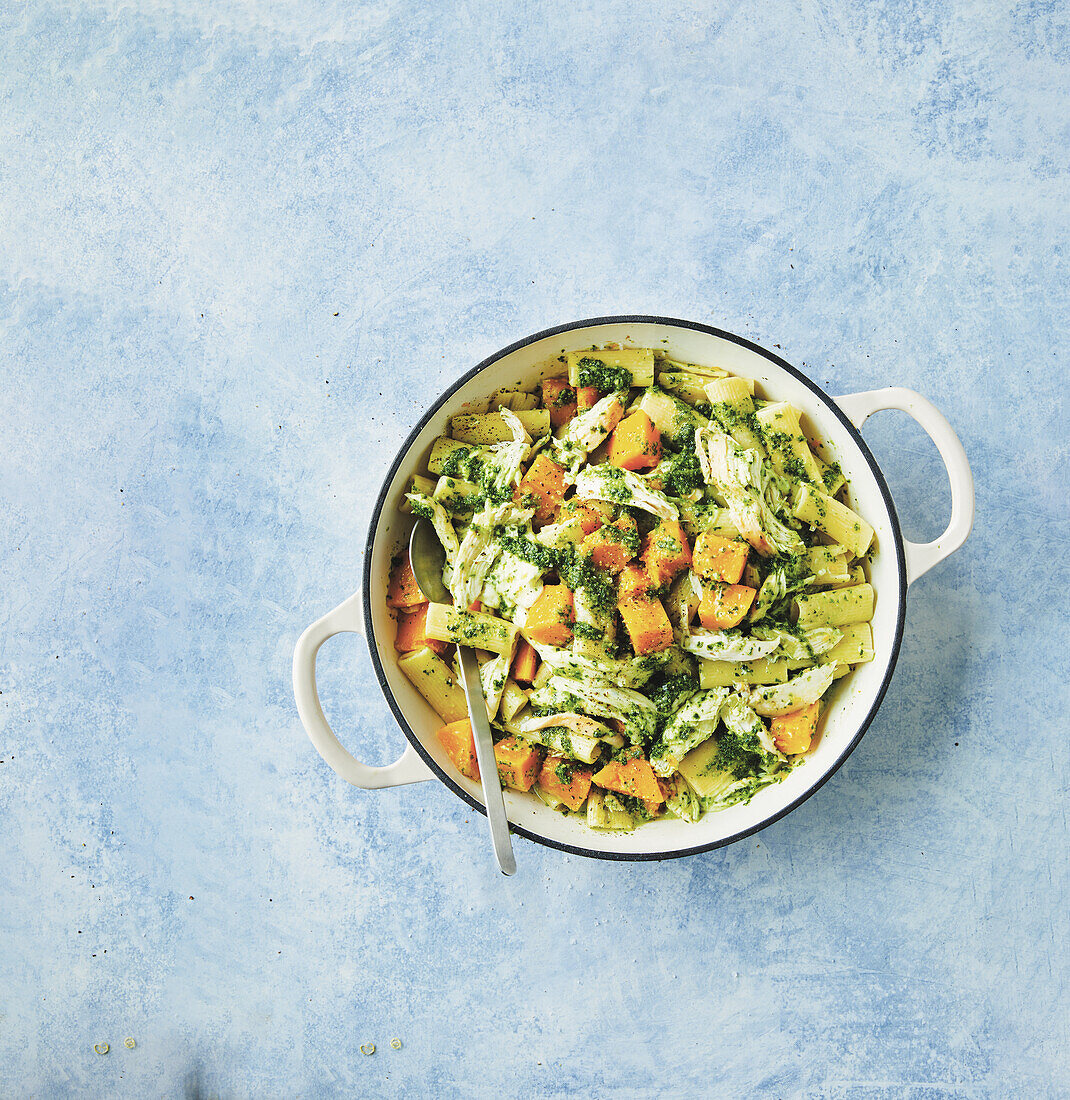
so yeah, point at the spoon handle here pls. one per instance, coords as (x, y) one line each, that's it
(488, 766)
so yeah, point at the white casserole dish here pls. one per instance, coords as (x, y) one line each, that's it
(895, 564)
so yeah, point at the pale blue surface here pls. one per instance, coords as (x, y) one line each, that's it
(240, 249)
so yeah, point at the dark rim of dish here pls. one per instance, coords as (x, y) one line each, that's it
(669, 322)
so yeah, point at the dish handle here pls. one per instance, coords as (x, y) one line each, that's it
(922, 556)
(345, 618)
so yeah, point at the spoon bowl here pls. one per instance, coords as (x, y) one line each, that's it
(427, 557)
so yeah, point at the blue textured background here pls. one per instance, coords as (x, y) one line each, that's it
(242, 244)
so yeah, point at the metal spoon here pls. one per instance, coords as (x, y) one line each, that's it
(426, 557)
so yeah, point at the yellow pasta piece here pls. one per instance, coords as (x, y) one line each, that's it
(713, 674)
(483, 429)
(417, 484)
(788, 450)
(840, 605)
(639, 362)
(434, 680)
(731, 401)
(855, 647)
(477, 629)
(442, 449)
(841, 524)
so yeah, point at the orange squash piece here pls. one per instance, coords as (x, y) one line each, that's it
(559, 399)
(613, 544)
(634, 584)
(550, 617)
(719, 559)
(587, 397)
(666, 552)
(635, 443)
(648, 626)
(634, 778)
(724, 606)
(518, 762)
(412, 632)
(403, 591)
(545, 483)
(793, 733)
(460, 746)
(590, 518)
(552, 779)
(525, 663)
(644, 617)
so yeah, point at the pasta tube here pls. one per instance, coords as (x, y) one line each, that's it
(835, 519)
(432, 678)
(836, 607)
(483, 429)
(788, 450)
(596, 368)
(472, 628)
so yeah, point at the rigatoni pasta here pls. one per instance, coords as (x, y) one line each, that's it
(656, 565)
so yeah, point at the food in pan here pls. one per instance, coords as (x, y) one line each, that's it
(661, 575)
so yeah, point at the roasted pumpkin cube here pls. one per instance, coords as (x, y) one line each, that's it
(460, 745)
(724, 605)
(412, 632)
(634, 778)
(525, 662)
(666, 552)
(793, 733)
(589, 516)
(634, 582)
(565, 780)
(613, 544)
(403, 592)
(719, 559)
(551, 617)
(635, 443)
(544, 486)
(643, 615)
(559, 399)
(587, 397)
(518, 762)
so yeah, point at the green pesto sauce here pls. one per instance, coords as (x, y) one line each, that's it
(542, 557)
(774, 437)
(462, 463)
(636, 807)
(599, 585)
(561, 737)
(467, 631)
(466, 464)
(733, 756)
(683, 475)
(586, 630)
(666, 694)
(614, 484)
(681, 435)
(729, 417)
(626, 535)
(605, 379)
